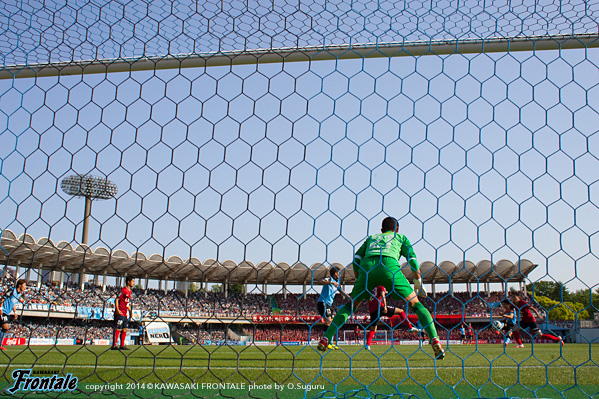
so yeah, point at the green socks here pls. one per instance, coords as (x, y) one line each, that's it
(425, 319)
(340, 318)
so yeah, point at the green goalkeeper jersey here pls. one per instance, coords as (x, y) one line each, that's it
(389, 244)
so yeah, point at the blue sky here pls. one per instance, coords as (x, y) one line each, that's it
(483, 156)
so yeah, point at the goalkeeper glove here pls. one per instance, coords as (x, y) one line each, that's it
(419, 288)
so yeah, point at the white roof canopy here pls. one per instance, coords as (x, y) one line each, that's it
(43, 254)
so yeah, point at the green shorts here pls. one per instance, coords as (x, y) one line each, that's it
(383, 271)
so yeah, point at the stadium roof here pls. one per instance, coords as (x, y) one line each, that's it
(26, 252)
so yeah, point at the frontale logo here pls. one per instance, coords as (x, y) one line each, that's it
(54, 383)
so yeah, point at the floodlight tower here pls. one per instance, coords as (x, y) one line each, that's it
(91, 188)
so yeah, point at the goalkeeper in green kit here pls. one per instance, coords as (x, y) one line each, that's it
(377, 263)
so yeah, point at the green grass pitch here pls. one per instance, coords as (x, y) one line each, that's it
(296, 371)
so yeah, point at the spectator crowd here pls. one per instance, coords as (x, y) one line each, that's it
(198, 335)
(59, 329)
(216, 305)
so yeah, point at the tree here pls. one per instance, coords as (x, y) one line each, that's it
(195, 287)
(577, 308)
(236, 288)
(556, 291)
(233, 288)
(589, 300)
(562, 310)
(582, 296)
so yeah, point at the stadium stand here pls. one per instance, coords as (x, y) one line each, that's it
(214, 311)
(206, 304)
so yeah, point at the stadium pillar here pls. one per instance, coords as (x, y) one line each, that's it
(28, 275)
(160, 285)
(82, 279)
(204, 287)
(146, 285)
(61, 279)
(104, 282)
(18, 270)
(39, 276)
(186, 286)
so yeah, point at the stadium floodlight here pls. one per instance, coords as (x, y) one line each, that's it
(91, 188)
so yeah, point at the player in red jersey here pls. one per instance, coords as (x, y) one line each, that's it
(377, 306)
(470, 333)
(122, 312)
(528, 322)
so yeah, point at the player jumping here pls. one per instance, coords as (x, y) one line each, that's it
(122, 311)
(377, 263)
(8, 303)
(528, 322)
(509, 321)
(377, 306)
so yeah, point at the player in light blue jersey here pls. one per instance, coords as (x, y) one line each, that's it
(327, 296)
(509, 321)
(8, 303)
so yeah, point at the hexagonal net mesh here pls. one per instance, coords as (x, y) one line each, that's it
(242, 149)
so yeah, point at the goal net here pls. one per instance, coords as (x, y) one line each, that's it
(226, 155)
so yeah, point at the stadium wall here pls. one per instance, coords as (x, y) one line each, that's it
(586, 335)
